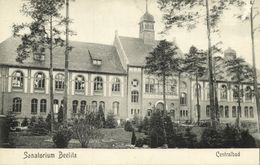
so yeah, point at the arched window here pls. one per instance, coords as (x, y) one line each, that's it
(17, 104)
(98, 85)
(246, 112)
(116, 85)
(17, 79)
(94, 105)
(195, 90)
(248, 93)
(221, 111)
(183, 98)
(55, 105)
(79, 83)
(116, 108)
(75, 106)
(101, 106)
(134, 96)
(43, 105)
(223, 92)
(149, 112)
(235, 92)
(59, 81)
(83, 104)
(39, 81)
(251, 111)
(234, 111)
(34, 103)
(226, 112)
(149, 85)
(207, 111)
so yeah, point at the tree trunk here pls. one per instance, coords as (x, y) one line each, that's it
(254, 67)
(239, 107)
(51, 77)
(66, 83)
(164, 111)
(211, 88)
(198, 99)
(179, 82)
(216, 101)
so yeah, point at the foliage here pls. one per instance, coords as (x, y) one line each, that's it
(111, 121)
(231, 137)
(139, 142)
(62, 137)
(60, 114)
(133, 139)
(32, 121)
(136, 121)
(86, 128)
(190, 139)
(39, 127)
(128, 126)
(247, 140)
(156, 130)
(101, 116)
(25, 122)
(146, 125)
(211, 138)
(48, 121)
(11, 120)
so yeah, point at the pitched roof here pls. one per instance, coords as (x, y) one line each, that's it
(136, 50)
(79, 58)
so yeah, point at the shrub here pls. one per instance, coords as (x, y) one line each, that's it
(136, 121)
(139, 142)
(60, 114)
(128, 126)
(25, 122)
(156, 132)
(62, 137)
(146, 125)
(231, 137)
(40, 128)
(133, 139)
(11, 121)
(211, 138)
(190, 139)
(101, 117)
(111, 121)
(177, 141)
(48, 121)
(247, 140)
(32, 121)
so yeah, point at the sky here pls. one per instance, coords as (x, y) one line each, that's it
(96, 21)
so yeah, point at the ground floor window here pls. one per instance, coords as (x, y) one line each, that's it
(221, 111)
(43, 106)
(116, 108)
(183, 113)
(55, 106)
(34, 103)
(234, 111)
(17, 104)
(75, 106)
(251, 111)
(207, 111)
(226, 112)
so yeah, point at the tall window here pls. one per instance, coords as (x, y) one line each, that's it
(248, 93)
(94, 105)
(195, 90)
(83, 104)
(98, 85)
(246, 112)
(183, 98)
(226, 112)
(251, 111)
(39, 81)
(149, 112)
(234, 111)
(79, 83)
(116, 108)
(116, 85)
(17, 104)
(43, 106)
(149, 85)
(75, 106)
(55, 105)
(102, 105)
(221, 111)
(207, 111)
(235, 92)
(134, 96)
(17, 79)
(59, 81)
(223, 92)
(34, 103)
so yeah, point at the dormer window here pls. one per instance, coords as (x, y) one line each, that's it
(39, 55)
(97, 62)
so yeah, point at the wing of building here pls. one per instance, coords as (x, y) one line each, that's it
(110, 77)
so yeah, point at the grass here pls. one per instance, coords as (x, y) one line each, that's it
(112, 138)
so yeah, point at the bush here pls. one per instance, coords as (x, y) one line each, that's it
(40, 128)
(190, 139)
(128, 126)
(62, 137)
(146, 125)
(247, 140)
(32, 121)
(231, 137)
(211, 138)
(60, 114)
(101, 117)
(133, 139)
(48, 121)
(111, 121)
(139, 142)
(25, 122)
(156, 132)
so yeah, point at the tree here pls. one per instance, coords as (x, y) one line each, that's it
(101, 116)
(188, 13)
(162, 62)
(86, 128)
(239, 71)
(133, 139)
(195, 64)
(42, 33)
(251, 17)
(111, 121)
(60, 114)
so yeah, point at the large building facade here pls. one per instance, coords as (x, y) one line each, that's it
(111, 77)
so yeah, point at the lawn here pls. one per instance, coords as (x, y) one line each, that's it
(112, 138)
